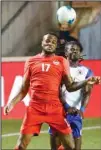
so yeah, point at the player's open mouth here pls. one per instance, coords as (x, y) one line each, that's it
(48, 47)
(74, 54)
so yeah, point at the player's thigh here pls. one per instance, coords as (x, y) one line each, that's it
(57, 121)
(59, 124)
(76, 125)
(67, 140)
(32, 122)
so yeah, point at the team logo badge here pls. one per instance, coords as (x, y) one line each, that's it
(56, 62)
(79, 72)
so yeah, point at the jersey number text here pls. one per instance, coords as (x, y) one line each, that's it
(45, 67)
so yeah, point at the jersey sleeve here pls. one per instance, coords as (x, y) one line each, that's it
(27, 72)
(89, 73)
(66, 67)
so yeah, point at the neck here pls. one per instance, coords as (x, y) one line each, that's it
(43, 53)
(74, 63)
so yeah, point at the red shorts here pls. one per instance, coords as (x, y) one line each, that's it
(52, 114)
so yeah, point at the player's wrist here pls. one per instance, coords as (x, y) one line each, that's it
(82, 109)
(66, 106)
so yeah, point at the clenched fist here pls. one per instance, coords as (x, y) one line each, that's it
(71, 110)
(94, 80)
(8, 108)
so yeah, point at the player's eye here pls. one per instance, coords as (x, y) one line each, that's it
(73, 49)
(68, 50)
(47, 41)
(54, 42)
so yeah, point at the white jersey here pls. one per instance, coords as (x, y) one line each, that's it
(78, 74)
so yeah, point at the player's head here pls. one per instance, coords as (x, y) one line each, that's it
(49, 43)
(65, 26)
(73, 50)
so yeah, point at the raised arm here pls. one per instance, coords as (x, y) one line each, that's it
(86, 92)
(71, 85)
(87, 16)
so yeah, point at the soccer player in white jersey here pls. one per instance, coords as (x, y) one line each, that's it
(74, 102)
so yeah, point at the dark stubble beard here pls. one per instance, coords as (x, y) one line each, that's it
(74, 58)
(49, 53)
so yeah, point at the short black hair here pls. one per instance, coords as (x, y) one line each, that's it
(53, 33)
(75, 43)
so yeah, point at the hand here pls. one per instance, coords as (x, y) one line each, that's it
(71, 110)
(96, 14)
(80, 113)
(8, 108)
(94, 80)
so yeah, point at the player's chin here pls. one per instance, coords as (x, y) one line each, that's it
(49, 51)
(74, 58)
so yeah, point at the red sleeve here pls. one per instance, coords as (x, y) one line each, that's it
(27, 70)
(66, 67)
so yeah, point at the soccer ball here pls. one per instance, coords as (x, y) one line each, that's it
(66, 14)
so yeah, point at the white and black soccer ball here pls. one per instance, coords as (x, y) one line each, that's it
(66, 14)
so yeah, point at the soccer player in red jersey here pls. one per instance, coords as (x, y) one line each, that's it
(43, 74)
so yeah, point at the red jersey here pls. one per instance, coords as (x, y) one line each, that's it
(45, 74)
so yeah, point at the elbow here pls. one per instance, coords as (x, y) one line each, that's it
(69, 89)
(24, 92)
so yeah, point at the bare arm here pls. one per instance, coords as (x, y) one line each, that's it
(86, 92)
(87, 16)
(61, 94)
(22, 93)
(74, 86)
(67, 107)
(71, 85)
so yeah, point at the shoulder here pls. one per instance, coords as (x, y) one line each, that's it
(87, 71)
(60, 58)
(34, 57)
(31, 59)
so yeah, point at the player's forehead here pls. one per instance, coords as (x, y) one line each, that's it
(72, 47)
(50, 37)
